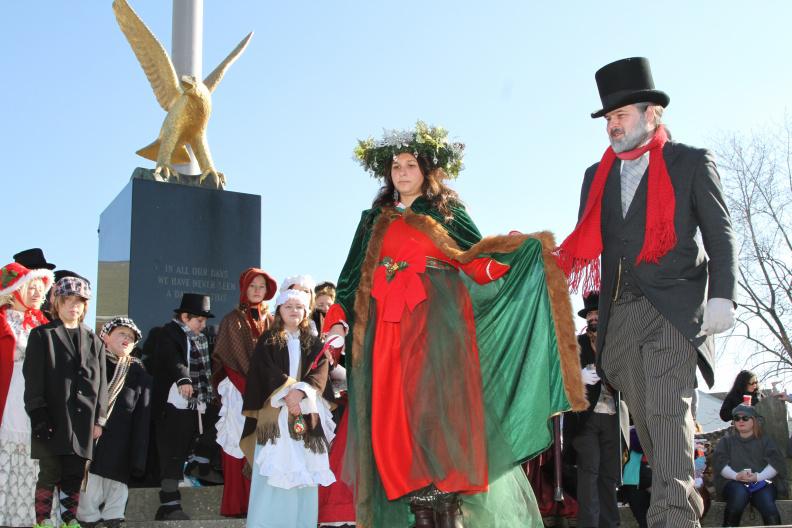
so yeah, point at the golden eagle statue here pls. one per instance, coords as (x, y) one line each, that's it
(187, 100)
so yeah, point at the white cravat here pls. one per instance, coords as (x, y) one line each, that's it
(631, 173)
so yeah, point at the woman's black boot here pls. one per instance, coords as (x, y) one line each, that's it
(424, 516)
(449, 514)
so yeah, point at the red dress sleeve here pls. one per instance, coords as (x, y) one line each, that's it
(335, 315)
(484, 270)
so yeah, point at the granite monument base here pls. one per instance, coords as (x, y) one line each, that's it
(159, 240)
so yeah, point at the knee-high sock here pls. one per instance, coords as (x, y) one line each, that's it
(70, 501)
(43, 504)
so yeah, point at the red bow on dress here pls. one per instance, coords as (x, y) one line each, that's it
(397, 284)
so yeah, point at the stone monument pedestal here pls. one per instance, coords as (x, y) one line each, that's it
(159, 240)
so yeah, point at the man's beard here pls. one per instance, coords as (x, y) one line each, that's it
(632, 138)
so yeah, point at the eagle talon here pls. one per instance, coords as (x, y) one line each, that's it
(216, 179)
(165, 173)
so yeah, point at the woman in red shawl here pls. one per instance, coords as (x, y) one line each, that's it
(22, 291)
(236, 340)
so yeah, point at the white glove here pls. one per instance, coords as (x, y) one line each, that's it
(718, 316)
(589, 376)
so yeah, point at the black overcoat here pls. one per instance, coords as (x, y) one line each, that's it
(122, 448)
(169, 364)
(676, 284)
(70, 384)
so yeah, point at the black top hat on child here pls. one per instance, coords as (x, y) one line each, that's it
(195, 304)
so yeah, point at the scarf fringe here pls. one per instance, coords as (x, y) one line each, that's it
(315, 443)
(579, 253)
(583, 275)
(266, 432)
(657, 242)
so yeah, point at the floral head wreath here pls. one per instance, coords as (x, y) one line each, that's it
(430, 142)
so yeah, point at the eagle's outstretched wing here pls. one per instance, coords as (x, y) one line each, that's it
(152, 56)
(213, 79)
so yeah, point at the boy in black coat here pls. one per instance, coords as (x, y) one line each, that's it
(65, 397)
(182, 371)
(123, 445)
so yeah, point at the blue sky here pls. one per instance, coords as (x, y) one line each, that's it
(512, 79)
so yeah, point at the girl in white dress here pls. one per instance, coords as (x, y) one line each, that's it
(22, 291)
(289, 424)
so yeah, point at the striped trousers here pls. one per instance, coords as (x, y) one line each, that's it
(654, 368)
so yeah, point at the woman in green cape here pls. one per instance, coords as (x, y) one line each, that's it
(461, 349)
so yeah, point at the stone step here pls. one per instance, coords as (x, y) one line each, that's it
(202, 504)
(713, 518)
(205, 523)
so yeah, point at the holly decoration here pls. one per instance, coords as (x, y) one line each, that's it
(7, 277)
(392, 267)
(428, 141)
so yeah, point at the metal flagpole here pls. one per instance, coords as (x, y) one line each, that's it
(187, 54)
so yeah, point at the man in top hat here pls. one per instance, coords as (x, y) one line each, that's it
(640, 209)
(181, 391)
(594, 434)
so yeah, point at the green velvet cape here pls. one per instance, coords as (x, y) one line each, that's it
(527, 352)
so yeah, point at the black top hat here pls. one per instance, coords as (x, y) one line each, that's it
(195, 304)
(33, 259)
(627, 81)
(590, 303)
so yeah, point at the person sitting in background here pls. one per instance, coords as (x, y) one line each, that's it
(748, 468)
(745, 384)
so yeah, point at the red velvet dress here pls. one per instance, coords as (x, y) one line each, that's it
(415, 442)
(424, 328)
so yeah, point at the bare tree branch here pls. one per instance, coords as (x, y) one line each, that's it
(757, 178)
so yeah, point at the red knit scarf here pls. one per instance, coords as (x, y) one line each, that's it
(579, 253)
